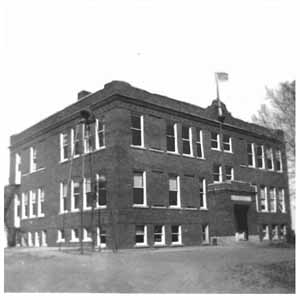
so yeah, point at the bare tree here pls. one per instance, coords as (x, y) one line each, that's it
(279, 113)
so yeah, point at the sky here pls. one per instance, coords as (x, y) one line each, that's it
(53, 49)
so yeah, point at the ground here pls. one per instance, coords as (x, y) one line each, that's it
(211, 269)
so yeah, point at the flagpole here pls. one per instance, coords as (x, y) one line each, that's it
(217, 85)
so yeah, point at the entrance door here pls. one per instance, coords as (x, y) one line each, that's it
(241, 220)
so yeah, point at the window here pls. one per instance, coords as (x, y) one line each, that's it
(205, 233)
(282, 231)
(25, 205)
(75, 199)
(263, 199)
(269, 154)
(176, 235)
(227, 143)
(63, 197)
(43, 238)
(272, 199)
(265, 232)
(281, 201)
(18, 168)
(36, 239)
(159, 235)
(139, 190)
(174, 194)
(88, 138)
(137, 130)
(33, 159)
(260, 156)
(256, 197)
(60, 235)
(229, 173)
(275, 232)
(199, 143)
(29, 239)
(87, 235)
(140, 235)
(17, 211)
(33, 202)
(101, 237)
(278, 161)
(217, 173)
(41, 200)
(101, 190)
(100, 137)
(215, 141)
(75, 136)
(75, 235)
(187, 140)
(88, 194)
(250, 152)
(172, 138)
(202, 186)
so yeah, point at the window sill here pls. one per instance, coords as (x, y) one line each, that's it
(204, 208)
(40, 216)
(63, 212)
(140, 206)
(188, 155)
(173, 153)
(177, 244)
(138, 147)
(33, 172)
(141, 245)
(200, 158)
(87, 208)
(74, 241)
(216, 149)
(101, 207)
(175, 207)
(61, 241)
(156, 150)
(87, 240)
(159, 244)
(229, 152)
(158, 207)
(75, 210)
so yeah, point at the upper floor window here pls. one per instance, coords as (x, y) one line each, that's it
(75, 136)
(174, 194)
(41, 201)
(139, 190)
(176, 235)
(227, 143)
(278, 161)
(269, 154)
(100, 136)
(17, 168)
(229, 173)
(172, 137)
(217, 173)
(263, 199)
(33, 159)
(281, 201)
(159, 235)
(260, 156)
(202, 186)
(75, 197)
(88, 138)
(64, 146)
(199, 143)
(137, 130)
(25, 205)
(88, 195)
(250, 153)
(101, 190)
(141, 235)
(63, 197)
(33, 203)
(187, 140)
(215, 141)
(272, 199)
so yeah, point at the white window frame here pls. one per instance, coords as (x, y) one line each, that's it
(262, 156)
(280, 159)
(98, 194)
(227, 143)
(98, 241)
(175, 127)
(283, 210)
(40, 201)
(272, 158)
(218, 148)
(17, 204)
(220, 174)
(266, 199)
(73, 140)
(73, 209)
(266, 236)
(18, 173)
(205, 230)
(144, 189)
(204, 207)
(145, 243)
(36, 240)
(85, 180)
(142, 131)
(276, 234)
(33, 159)
(190, 140)
(31, 197)
(60, 239)
(179, 242)
(275, 199)
(86, 148)
(61, 143)
(200, 143)
(97, 131)
(74, 239)
(25, 196)
(256, 197)
(178, 192)
(62, 209)
(29, 239)
(253, 155)
(231, 173)
(43, 238)
(86, 238)
(163, 235)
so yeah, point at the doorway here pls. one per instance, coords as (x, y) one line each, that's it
(241, 221)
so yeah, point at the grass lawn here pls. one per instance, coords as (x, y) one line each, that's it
(254, 269)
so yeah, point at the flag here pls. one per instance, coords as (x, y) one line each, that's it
(221, 76)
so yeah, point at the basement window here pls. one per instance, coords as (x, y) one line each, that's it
(205, 233)
(176, 235)
(172, 138)
(137, 130)
(74, 235)
(159, 235)
(187, 140)
(141, 235)
(87, 235)
(60, 235)
(265, 232)
(101, 237)
(275, 232)
(282, 231)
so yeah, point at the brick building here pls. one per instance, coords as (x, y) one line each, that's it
(147, 171)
